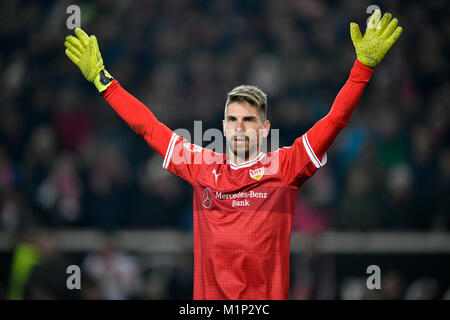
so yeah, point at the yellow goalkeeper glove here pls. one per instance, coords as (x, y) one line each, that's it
(84, 52)
(378, 39)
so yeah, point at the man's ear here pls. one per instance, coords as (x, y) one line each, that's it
(223, 128)
(266, 128)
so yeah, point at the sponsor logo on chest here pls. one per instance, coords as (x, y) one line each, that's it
(240, 199)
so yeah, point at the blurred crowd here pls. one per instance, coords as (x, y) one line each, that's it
(39, 271)
(67, 160)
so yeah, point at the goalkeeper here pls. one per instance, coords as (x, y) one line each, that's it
(242, 206)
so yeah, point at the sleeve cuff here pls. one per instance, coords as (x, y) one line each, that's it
(360, 72)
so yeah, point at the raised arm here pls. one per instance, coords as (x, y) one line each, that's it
(138, 117)
(84, 52)
(323, 133)
(379, 37)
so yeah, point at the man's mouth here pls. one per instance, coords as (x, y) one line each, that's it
(240, 140)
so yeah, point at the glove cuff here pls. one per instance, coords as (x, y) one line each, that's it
(368, 61)
(102, 81)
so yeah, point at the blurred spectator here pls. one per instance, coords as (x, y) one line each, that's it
(156, 202)
(59, 195)
(25, 257)
(314, 274)
(181, 282)
(400, 213)
(392, 287)
(38, 270)
(359, 206)
(313, 209)
(157, 283)
(117, 275)
(353, 288)
(108, 184)
(425, 288)
(14, 213)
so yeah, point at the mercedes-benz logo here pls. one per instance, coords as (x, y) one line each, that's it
(207, 198)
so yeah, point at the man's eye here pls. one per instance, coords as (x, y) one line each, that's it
(249, 119)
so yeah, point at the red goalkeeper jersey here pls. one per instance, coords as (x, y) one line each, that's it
(242, 213)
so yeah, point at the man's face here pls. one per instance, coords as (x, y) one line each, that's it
(244, 129)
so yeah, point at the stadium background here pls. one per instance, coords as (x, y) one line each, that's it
(83, 189)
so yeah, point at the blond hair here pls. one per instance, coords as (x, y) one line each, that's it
(250, 94)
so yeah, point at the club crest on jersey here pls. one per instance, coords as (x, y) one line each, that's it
(257, 174)
(192, 147)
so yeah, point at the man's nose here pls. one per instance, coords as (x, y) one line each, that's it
(240, 126)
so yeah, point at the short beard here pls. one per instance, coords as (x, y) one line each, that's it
(243, 153)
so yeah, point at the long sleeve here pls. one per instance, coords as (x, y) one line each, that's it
(139, 118)
(323, 133)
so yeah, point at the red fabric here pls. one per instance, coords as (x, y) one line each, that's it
(242, 222)
(323, 133)
(138, 117)
(243, 213)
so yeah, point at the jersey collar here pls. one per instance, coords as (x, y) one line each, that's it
(246, 163)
